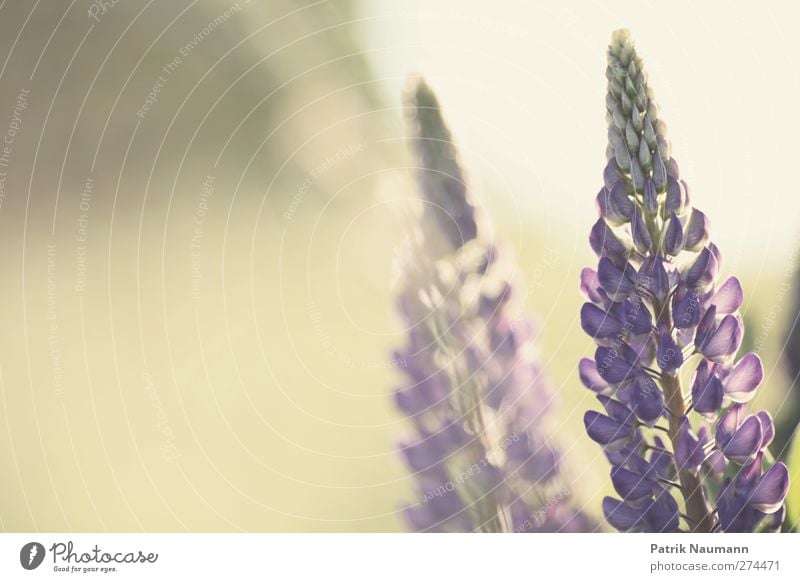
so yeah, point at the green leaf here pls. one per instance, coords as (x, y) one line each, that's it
(793, 499)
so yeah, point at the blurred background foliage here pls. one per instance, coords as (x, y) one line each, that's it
(237, 377)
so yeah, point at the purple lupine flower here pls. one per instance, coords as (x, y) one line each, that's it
(659, 317)
(473, 389)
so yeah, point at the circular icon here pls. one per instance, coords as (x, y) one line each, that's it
(31, 555)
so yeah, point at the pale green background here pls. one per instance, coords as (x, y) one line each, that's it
(270, 390)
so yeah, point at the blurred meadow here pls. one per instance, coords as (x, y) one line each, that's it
(204, 216)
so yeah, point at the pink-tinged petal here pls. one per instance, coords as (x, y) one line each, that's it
(590, 286)
(767, 428)
(770, 491)
(729, 296)
(741, 383)
(745, 442)
(725, 340)
(597, 323)
(587, 370)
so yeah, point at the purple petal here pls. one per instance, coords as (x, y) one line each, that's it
(423, 455)
(745, 442)
(640, 234)
(612, 174)
(646, 399)
(621, 515)
(686, 309)
(606, 244)
(653, 276)
(749, 474)
(689, 453)
(663, 515)
(650, 198)
(637, 175)
(620, 204)
(717, 463)
(771, 490)
(672, 168)
(615, 365)
(606, 431)
(716, 252)
(630, 486)
(419, 397)
(767, 428)
(741, 382)
(661, 461)
(730, 421)
(703, 271)
(597, 323)
(707, 393)
(676, 197)
(728, 297)
(669, 355)
(617, 410)
(673, 238)
(637, 317)
(590, 286)
(696, 231)
(587, 370)
(659, 173)
(725, 340)
(706, 326)
(617, 283)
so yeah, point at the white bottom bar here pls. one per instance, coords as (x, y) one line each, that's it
(406, 557)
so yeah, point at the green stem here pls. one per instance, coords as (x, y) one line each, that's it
(691, 488)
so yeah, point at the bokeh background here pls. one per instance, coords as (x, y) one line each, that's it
(204, 208)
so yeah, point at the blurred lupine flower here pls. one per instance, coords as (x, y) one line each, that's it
(472, 387)
(789, 418)
(662, 321)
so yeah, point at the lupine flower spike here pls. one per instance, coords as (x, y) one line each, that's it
(472, 389)
(685, 452)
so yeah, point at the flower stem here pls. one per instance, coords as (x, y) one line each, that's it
(691, 488)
